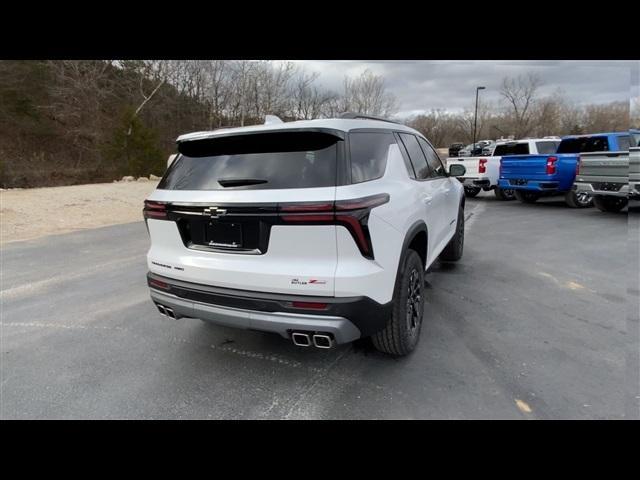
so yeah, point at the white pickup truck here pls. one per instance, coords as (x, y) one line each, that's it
(482, 173)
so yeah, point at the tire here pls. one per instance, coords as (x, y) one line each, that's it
(609, 204)
(471, 191)
(526, 197)
(506, 194)
(578, 200)
(401, 334)
(453, 251)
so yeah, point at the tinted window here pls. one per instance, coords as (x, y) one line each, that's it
(511, 149)
(583, 145)
(369, 154)
(636, 139)
(259, 161)
(624, 143)
(418, 160)
(547, 147)
(435, 165)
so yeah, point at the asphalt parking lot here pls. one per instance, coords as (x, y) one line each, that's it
(538, 321)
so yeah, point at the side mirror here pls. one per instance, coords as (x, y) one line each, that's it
(456, 170)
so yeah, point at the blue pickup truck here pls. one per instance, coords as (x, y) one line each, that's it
(535, 176)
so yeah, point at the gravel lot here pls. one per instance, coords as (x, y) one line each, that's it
(538, 321)
(31, 213)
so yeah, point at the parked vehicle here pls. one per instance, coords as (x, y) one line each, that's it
(454, 148)
(319, 230)
(475, 149)
(606, 176)
(534, 176)
(634, 166)
(482, 173)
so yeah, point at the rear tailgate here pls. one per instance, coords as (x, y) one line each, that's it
(523, 166)
(604, 167)
(470, 164)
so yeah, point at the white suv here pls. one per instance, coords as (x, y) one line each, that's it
(319, 230)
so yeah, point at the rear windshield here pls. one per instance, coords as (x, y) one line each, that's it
(256, 162)
(623, 143)
(583, 145)
(511, 149)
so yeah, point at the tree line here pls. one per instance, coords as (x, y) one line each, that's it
(78, 121)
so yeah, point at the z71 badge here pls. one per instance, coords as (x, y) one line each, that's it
(311, 281)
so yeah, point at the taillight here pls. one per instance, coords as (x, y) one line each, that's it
(482, 167)
(353, 214)
(551, 165)
(156, 210)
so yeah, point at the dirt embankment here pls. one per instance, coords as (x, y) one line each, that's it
(36, 212)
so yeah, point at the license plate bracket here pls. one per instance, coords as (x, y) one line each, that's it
(223, 234)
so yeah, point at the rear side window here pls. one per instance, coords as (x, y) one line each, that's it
(369, 152)
(511, 149)
(624, 143)
(584, 145)
(418, 160)
(546, 148)
(256, 162)
(435, 165)
(636, 139)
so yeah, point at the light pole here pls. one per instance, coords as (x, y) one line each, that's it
(475, 120)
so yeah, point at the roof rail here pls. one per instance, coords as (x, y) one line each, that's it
(353, 116)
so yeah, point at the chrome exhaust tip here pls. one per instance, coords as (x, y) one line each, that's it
(301, 339)
(170, 313)
(321, 340)
(161, 309)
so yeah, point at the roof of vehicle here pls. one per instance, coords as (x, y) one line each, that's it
(342, 124)
(526, 140)
(597, 134)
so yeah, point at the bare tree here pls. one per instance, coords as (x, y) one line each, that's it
(367, 94)
(520, 95)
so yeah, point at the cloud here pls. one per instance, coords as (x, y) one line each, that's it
(423, 85)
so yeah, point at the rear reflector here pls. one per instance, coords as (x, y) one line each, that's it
(158, 284)
(309, 305)
(482, 167)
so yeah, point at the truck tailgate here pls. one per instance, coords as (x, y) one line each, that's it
(470, 165)
(523, 166)
(601, 167)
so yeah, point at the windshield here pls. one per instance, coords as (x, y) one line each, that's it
(258, 161)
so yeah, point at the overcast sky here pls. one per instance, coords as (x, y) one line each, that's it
(421, 85)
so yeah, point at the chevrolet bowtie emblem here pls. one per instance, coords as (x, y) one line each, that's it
(214, 212)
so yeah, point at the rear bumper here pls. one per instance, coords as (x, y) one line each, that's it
(347, 318)
(535, 185)
(476, 181)
(593, 189)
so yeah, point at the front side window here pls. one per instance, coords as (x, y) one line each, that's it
(369, 151)
(435, 165)
(418, 160)
(256, 162)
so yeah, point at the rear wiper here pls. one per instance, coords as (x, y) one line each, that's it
(238, 182)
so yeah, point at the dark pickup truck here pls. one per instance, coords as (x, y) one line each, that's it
(534, 176)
